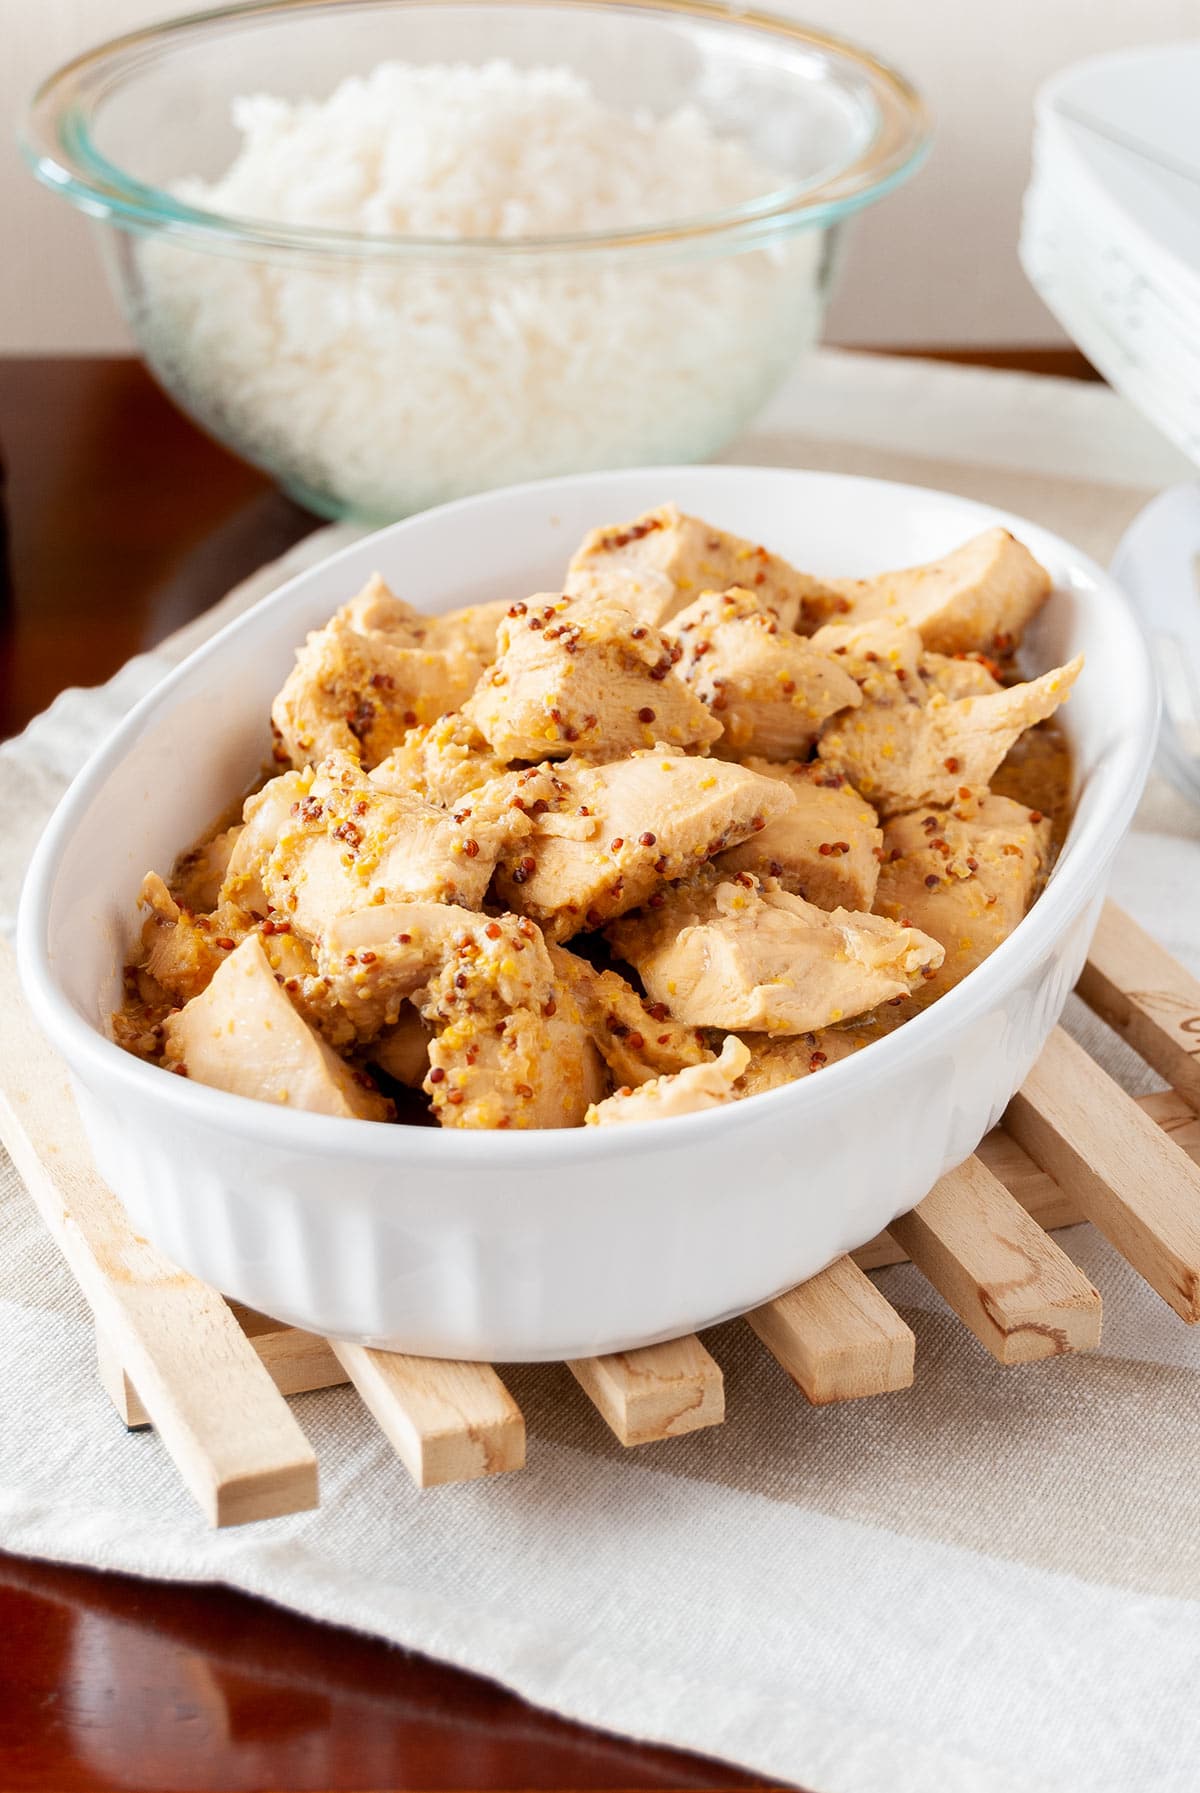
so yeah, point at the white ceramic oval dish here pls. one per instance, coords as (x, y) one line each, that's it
(507, 1246)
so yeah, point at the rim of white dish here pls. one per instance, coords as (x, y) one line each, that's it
(58, 142)
(1069, 887)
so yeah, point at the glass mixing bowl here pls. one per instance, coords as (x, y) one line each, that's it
(373, 375)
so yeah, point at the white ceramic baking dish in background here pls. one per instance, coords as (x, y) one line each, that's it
(554, 1244)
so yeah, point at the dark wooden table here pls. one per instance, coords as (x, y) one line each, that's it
(123, 523)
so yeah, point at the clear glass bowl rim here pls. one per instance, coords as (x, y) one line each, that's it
(57, 141)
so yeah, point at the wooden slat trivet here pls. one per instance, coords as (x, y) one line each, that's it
(1002, 1274)
(836, 1336)
(660, 1391)
(212, 1376)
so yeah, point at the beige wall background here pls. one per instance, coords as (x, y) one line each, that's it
(937, 263)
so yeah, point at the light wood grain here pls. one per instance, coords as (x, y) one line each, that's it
(836, 1336)
(660, 1391)
(1148, 997)
(1036, 1191)
(1128, 1176)
(117, 1386)
(228, 1431)
(448, 1422)
(1004, 1277)
(298, 1363)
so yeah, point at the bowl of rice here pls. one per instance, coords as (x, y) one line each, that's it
(398, 251)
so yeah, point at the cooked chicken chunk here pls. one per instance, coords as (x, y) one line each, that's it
(530, 1070)
(774, 1062)
(241, 1034)
(348, 844)
(772, 689)
(681, 1092)
(182, 951)
(662, 560)
(958, 676)
(825, 848)
(442, 762)
(965, 876)
(402, 1051)
(981, 596)
(510, 1049)
(199, 874)
(637, 1039)
(470, 631)
(741, 954)
(377, 669)
(910, 745)
(625, 830)
(265, 816)
(881, 657)
(583, 678)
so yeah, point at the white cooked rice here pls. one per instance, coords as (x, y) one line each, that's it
(385, 388)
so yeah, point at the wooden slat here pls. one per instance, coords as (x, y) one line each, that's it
(448, 1422)
(117, 1386)
(229, 1432)
(298, 1362)
(1176, 1117)
(1147, 996)
(1004, 1277)
(1037, 1192)
(1128, 1177)
(836, 1336)
(660, 1391)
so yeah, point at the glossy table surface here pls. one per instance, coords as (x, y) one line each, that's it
(122, 523)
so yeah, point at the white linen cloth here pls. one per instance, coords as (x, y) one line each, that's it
(989, 1582)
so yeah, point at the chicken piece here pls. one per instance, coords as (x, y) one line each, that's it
(774, 1062)
(377, 669)
(625, 830)
(661, 561)
(959, 676)
(402, 1052)
(510, 1049)
(442, 762)
(469, 633)
(200, 873)
(680, 1092)
(243, 1035)
(739, 954)
(294, 964)
(636, 1039)
(349, 845)
(910, 744)
(889, 664)
(587, 679)
(525, 1070)
(879, 656)
(980, 596)
(965, 876)
(182, 951)
(772, 689)
(825, 848)
(137, 1026)
(265, 816)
